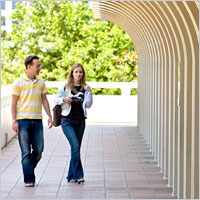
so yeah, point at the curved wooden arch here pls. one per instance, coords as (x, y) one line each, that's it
(166, 38)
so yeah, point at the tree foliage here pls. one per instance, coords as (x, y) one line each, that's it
(62, 33)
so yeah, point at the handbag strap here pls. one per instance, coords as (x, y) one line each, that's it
(64, 87)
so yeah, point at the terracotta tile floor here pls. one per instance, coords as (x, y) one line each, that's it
(117, 165)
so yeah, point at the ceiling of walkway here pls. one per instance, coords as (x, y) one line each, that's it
(159, 29)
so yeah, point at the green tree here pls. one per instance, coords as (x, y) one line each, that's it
(62, 33)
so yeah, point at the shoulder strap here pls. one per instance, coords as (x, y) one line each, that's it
(65, 86)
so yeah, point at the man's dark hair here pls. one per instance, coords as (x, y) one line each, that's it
(30, 59)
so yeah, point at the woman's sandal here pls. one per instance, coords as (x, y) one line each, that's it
(80, 180)
(29, 184)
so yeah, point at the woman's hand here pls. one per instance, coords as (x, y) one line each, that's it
(87, 88)
(67, 100)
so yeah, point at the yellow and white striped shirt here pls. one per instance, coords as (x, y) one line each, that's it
(29, 105)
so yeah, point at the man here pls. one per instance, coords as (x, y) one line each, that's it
(28, 96)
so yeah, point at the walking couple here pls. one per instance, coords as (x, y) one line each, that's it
(28, 96)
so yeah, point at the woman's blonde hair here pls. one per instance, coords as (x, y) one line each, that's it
(70, 79)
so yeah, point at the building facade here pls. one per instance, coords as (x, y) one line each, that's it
(7, 8)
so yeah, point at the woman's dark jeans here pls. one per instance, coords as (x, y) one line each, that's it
(74, 131)
(31, 142)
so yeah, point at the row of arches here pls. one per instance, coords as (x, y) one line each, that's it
(166, 37)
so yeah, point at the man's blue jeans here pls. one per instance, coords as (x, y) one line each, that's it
(31, 142)
(74, 131)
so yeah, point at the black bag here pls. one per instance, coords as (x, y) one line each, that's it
(57, 115)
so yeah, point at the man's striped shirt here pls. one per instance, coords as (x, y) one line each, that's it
(29, 105)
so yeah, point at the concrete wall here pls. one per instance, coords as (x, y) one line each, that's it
(105, 108)
(166, 37)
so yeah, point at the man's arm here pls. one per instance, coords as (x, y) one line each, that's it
(14, 113)
(47, 109)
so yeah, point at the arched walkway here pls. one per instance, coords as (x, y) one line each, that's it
(166, 38)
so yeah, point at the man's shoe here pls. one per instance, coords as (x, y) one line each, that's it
(29, 184)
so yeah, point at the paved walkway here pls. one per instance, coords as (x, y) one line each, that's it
(117, 165)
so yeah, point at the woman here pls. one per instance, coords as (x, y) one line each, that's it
(74, 97)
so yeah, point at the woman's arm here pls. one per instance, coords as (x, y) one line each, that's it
(58, 100)
(88, 96)
(61, 97)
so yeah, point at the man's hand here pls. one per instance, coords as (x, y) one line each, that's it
(50, 122)
(15, 127)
